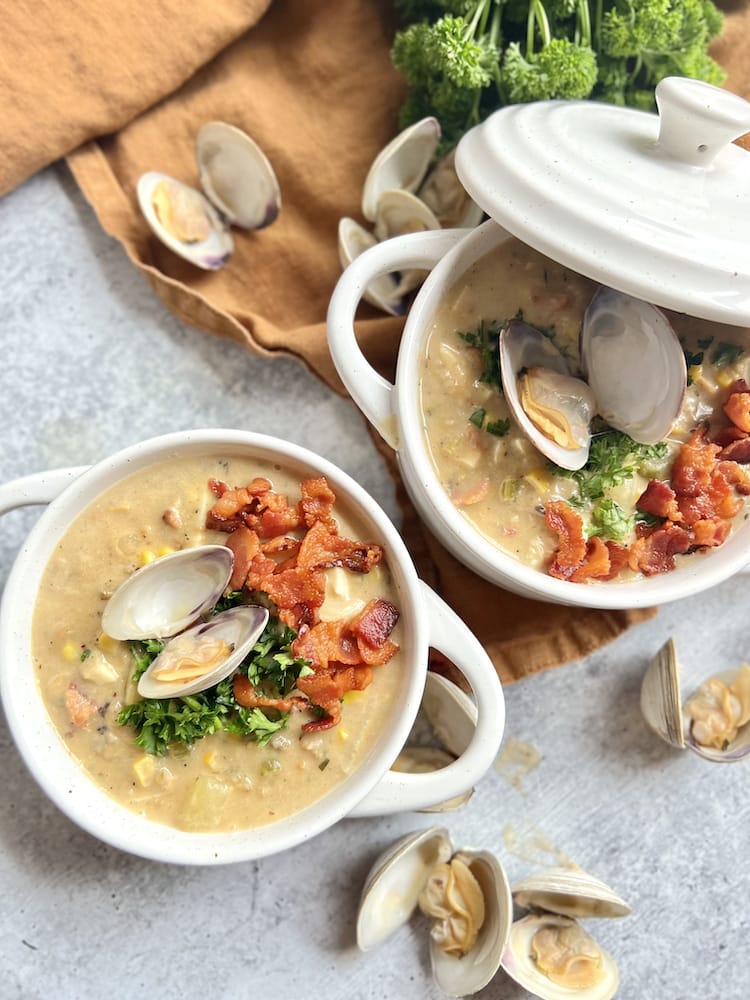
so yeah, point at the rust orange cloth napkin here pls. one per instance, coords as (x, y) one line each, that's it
(311, 81)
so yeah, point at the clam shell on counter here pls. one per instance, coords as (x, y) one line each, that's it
(714, 722)
(239, 189)
(166, 596)
(469, 902)
(383, 292)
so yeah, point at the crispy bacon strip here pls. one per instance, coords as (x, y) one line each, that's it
(326, 689)
(249, 697)
(245, 545)
(79, 707)
(323, 549)
(654, 552)
(595, 565)
(571, 550)
(316, 502)
(737, 450)
(660, 500)
(737, 406)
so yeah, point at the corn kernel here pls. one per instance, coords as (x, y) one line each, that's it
(70, 652)
(165, 550)
(343, 734)
(106, 643)
(695, 372)
(352, 696)
(146, 557)
(211, 760)
(724, 379)
(539, 479)
(144, 769)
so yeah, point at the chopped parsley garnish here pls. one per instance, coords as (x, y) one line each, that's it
(726, 354)
(85, 653)
(614, 458)
(486, 340)
(497, 427)
(270, 666)
(610, 521)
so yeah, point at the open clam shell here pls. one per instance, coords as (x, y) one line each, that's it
(634, 363)
(527, 354)
(166, 596)
(594, 970)
(400, 212)
(237, 176)
(184, 220)
(402, 164)
(392, 892)
(204, 655)
(665, 713)
(444, 193)
(383, 292)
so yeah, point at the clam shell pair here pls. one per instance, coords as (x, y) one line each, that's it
(634, 376)
(239, 189)
(402, 194)
(163, 599)
(663, 709)
(556, 897)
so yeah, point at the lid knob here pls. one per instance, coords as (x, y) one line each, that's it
(697, 120)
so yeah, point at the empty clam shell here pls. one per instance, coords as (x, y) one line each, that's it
(714, 723)
(450, 711)
(237, 176)
(184, 220)
(169, 594)
(634, 364)
(552, 957)
(444, 193)
(534, 372)
(402, 164)
(400, 212)
(204, 655)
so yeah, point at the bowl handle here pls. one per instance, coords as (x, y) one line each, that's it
(370, 391)
(397, 791)
(41, 487)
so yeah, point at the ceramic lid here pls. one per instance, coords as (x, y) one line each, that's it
(653, 205)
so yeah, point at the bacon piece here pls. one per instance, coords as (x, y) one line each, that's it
(249, 697)
(234, 505)
(693, 465)
(660, 500)
(596, 564)
(654, 552)
(298, 593)
(737, 406)
(316, 501)
(79, 707)
(327, 643)
(618, 559)
(737, 450)
(735, 475)
(245, 545)
(372, 627)
(571, 550)
(261, 568)
(324, 549)
(327, 688)
(727, 435)
(472, 494)
(218, 486)
(710, 532)
(281, 543)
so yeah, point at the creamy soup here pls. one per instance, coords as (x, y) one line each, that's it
(222, 781)
(508, 490)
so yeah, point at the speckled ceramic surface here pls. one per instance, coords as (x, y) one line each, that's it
(92, 363)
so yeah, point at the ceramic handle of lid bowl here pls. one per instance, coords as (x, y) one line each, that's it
(39, 488)
(698, 120)
(400, 792)
(369, 390)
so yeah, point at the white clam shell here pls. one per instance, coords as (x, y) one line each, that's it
(458, 977)
(238, 627)
(519, 964)
(523, 346)
(569, 892)
(444, 193)
(662, 708)
(450, 711)
(402, 164)
(392, 888)
(399, 212)
(210, 253)
(634, 364)
(169, 594)
(383, 292)
(237, 176)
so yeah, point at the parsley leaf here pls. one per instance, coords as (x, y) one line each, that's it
(726, 354)
(614, 458)
(144, 653)
(610, 521)
(486, 340)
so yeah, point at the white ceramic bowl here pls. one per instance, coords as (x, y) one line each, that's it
(371, 790)
(394, 410)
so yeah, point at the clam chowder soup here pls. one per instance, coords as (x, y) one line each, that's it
(260, 703)
(585, 433)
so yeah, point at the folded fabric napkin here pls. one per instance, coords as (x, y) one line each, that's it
(313, 84)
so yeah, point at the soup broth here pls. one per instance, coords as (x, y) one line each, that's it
(221, 782)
